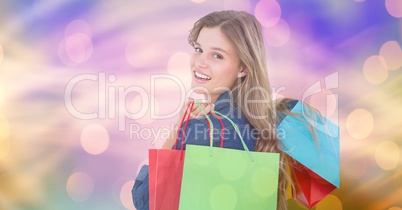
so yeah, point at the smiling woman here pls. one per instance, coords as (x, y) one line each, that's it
(228, 67)
(215, 63)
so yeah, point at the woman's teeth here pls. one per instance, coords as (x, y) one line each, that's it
(201, 76)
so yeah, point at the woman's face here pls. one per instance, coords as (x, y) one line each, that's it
(215, 65)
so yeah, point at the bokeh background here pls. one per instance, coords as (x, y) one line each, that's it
(72, 71)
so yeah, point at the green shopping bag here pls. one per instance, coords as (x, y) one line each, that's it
(224, 179)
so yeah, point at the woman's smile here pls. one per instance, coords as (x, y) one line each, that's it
(200, 77)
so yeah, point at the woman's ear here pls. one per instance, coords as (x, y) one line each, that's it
(243, 72)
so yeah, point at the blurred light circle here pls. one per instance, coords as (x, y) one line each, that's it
(375, 69)
(395, 208)
(392, 53)
(268, 12)
(331, 202)
(94, 139)
(359, 123)
(63, 55)
(79, 47)
(241, 5)
(1, 53)
(198, 1)
(394, 7)
(78, 26)
(179, 67)
(277, 35)
(125, 195)
(80, 186)
(387, 155)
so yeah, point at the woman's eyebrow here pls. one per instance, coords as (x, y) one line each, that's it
(213, 48)
(219, 49)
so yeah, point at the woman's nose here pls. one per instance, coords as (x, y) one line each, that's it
(200, 61)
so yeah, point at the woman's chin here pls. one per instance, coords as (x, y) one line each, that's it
(198, 89)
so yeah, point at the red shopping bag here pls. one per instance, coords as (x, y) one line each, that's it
(165, 172)
(310, 188)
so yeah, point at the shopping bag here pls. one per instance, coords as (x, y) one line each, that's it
(165, 171)
(221, 178)
(310, 188)
(313, 142)
(164, 178)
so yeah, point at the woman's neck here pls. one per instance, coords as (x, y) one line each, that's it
(214, 98)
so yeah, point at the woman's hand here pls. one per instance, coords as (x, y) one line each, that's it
(196, 112)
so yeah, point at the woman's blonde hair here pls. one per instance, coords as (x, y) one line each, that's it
(244, 31)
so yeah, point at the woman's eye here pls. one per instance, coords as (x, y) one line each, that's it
(197, 49)
(217, 56)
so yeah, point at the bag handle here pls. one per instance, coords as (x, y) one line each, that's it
(208, 123)
(187, 114)
(234, 126)
(222, 128)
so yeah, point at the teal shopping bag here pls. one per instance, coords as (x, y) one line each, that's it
(318, 149)
(312, 141)
(221, 178)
